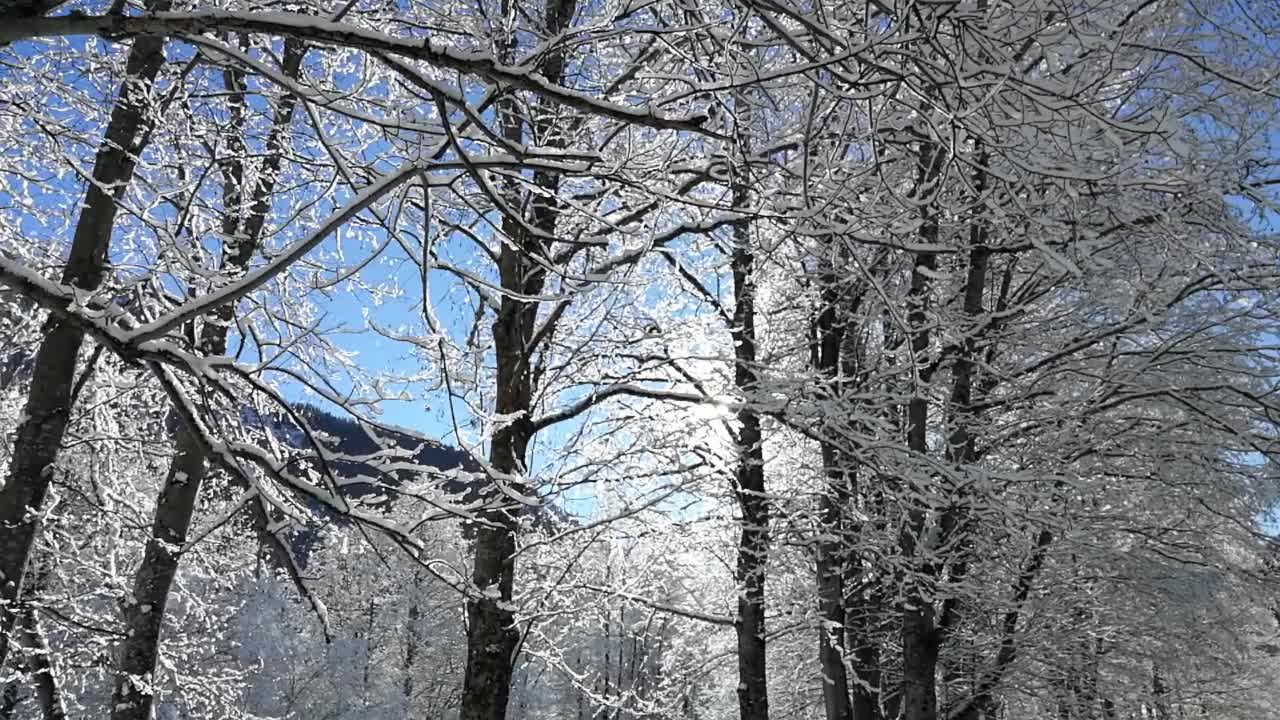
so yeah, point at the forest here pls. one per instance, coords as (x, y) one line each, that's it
(640, 359)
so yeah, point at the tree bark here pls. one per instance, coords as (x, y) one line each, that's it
(492, 637)
(43, 668)
(411, 641)
(48, 408)
(831, 610)
(134, 691)
(832, 553)
(753, 541)
(920, 644)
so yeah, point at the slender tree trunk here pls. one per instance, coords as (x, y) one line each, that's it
(411, 641)
(492, 637)
(368, 653)
(133, 693)
(48, 408)
(831, 608)
(36, 660)
(44, 671)
(919, 629)
(753, 541)
(491, 633)
(983, 698)
(832, 555)
(923, 627)
(867, 625)
(919, 632)
(582, 705)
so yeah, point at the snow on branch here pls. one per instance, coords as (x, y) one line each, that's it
(315, 30)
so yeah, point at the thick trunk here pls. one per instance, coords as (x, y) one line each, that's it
(36, 661)
(866, 668)
(867, 621)
(133, 694)
(492, 637)
(48, 408)
(919, 662)
(1159, 695)
(491, 633)
(848, 654)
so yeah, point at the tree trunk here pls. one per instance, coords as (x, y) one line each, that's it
(133, 693)
(850, 659)
(866, 623)
(491, 633)
(919, 699)
(832, 555)
(48, 408)
(492, 638)
(411, 641)
(831, 606)
(919, 662)
(43, 669)
(753, 542)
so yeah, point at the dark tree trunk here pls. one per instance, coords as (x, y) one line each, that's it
(832, 552)
(492, 637)
(924, 628)
(48, 408)
(753, 542)
(920, 643)
(176, 505)
(920, 662)
(411, 641)
(491, 633)
(867, 622)
(145, 615)
(831, 609)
